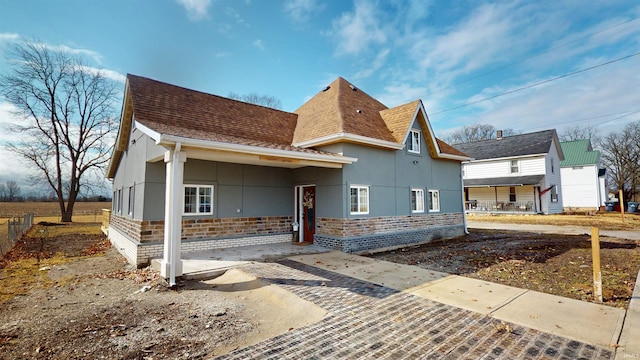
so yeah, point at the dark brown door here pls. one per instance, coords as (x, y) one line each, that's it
(308, 213)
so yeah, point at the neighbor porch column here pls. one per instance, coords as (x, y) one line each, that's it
(171, 265)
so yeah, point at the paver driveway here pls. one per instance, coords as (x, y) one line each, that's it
(376, 322)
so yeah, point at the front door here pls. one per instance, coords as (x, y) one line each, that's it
(308, 205)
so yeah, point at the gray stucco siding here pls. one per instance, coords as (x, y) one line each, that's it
(239, 190)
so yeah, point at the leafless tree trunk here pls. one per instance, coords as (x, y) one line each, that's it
(68, 114)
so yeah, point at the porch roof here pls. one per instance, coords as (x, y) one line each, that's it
(504, 181)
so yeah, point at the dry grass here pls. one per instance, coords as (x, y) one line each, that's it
(9, 209)
(606, 221)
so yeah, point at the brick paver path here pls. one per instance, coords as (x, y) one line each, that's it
(368, 321)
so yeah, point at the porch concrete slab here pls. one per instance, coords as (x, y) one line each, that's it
(580, 320)
(335, 261)
(214, 262)
(471, 294)
(392, 275)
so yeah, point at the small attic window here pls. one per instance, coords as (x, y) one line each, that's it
(353, 87)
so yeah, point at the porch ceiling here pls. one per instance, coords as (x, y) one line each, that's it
(504, 181)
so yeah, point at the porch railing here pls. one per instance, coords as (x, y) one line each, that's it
(499, 206)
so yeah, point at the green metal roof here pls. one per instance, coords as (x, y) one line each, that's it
(578, 153)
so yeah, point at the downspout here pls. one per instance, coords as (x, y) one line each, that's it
(464, 210)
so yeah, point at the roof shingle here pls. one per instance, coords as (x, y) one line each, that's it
(517, 145)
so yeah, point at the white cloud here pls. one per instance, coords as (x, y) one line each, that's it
(258, 43)
(8, 37)
(301, 10)
(109, 74)
(196, 9)
(359, 30)
(222, 54)
(377, 63)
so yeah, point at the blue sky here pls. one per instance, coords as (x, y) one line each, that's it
(454, 55)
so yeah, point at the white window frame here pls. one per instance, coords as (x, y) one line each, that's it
(434, 200)
(359, 188)
(418, 205)
(517, 166)
(131, 200)
(119, 205)
(414, 147)
(197, 205)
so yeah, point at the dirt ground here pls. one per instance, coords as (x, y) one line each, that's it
(69, 295)
(549, 263)
(73, 297)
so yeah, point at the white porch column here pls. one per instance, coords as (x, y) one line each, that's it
(171, 265)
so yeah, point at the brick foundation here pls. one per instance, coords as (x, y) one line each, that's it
(353, 235)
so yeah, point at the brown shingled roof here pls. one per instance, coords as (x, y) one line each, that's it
(341, 108)
(448, 149)
(173, 110)
(399, 118)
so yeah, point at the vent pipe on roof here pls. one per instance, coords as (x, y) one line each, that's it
(499, 135)
(353, 87)
(327, 88)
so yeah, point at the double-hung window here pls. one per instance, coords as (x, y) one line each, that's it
(434, 200)
(414, 142)
(515, 166)
(198, 199)
(359, 200)
(417, 200)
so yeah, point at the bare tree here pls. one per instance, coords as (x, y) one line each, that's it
(621, 156)
(12, 190)
(581, 133)
(67, 111)
(253, 98)
(476, 132)
(3, 192)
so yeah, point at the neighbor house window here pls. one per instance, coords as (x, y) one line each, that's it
(552, 165)
(359, 199)
(198, 199)
(131, 200)
(554, 193)
(512, 194)
(414, 142)
(417, 200)
(434, 200)
(515, 166)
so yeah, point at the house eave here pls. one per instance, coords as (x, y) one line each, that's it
(258, 154)
(351, 138)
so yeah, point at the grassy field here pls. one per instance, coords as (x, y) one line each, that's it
(607, 221)
(84, 212)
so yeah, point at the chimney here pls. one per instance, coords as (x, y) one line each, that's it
(499, 135)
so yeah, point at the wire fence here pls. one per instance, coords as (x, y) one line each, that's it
(15, 227)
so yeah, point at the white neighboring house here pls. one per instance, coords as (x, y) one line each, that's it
(514, 174)
(583, 180)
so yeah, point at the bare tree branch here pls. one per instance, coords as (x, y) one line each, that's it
(67, 110)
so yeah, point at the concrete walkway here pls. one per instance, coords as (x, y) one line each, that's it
(551, 229)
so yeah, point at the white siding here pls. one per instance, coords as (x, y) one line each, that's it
(580, 187)
(552, 178)
(502, 168)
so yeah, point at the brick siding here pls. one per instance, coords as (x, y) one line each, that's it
(335, 227)
(153, 231)
(353, 235)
